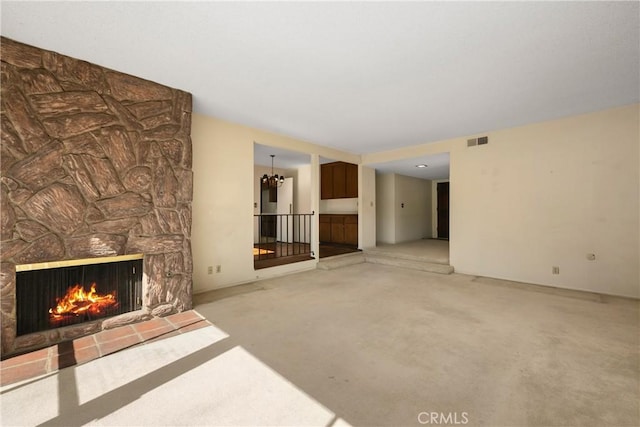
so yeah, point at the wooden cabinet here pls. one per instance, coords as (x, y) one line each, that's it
(338, 180)
(325, 228)
(351, 175)
(337, 229)
(351, 230)
(340, 229)
(326, 181)
(339, 171)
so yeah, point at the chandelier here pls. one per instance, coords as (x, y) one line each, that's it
(273, 180)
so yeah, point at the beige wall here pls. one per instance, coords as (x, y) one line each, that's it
(366, 207)
(339, 206)
(224, 195)
(302, 203)
(545, 195)
(302, 190)
(413, 221)
(395, 223)
(536, 196)
(385, 212)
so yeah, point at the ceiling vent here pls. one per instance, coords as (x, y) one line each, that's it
(477, 141)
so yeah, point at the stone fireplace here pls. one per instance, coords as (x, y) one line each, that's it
(94, 163)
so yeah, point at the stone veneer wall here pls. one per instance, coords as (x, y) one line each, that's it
(93, 163)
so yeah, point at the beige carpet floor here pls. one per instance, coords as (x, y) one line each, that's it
(364, 345)
(429, 250)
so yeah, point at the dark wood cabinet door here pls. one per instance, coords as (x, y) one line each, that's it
(339, 180)
(341, 229)
(337, 228)
(351, 230)
(325, 228)
(326, 181)
(351, 180)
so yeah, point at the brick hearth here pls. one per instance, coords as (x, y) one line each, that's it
(82, 350)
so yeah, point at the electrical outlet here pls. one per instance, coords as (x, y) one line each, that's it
(555, 270)
(210, 269)
(218, 268)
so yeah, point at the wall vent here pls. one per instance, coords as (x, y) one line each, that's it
(477, 141)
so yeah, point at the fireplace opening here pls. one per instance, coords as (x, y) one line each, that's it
(52, 295)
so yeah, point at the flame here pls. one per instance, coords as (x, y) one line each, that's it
(78, 301)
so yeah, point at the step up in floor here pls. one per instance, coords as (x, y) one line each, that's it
(381, 251)
(338, 261)
(408, 262)
(414, 263)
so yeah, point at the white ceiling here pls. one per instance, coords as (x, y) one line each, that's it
(285, 159)
(437, 166)
(362, 77)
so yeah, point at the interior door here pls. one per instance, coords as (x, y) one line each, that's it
(267, 206)
(443, 210)
(285, 207)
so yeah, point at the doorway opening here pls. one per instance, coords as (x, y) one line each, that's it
(282, 215)
(338, 219)
(443, 210)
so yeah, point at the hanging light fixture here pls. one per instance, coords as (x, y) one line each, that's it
(274, 180)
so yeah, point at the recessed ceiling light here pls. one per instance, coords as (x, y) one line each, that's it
(421, 166)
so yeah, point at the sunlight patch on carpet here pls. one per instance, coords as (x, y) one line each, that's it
(189, 379)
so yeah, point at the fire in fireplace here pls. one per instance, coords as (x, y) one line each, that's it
(56, 294)
(78, 301)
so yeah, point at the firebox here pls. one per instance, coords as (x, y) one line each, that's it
(56, 294)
